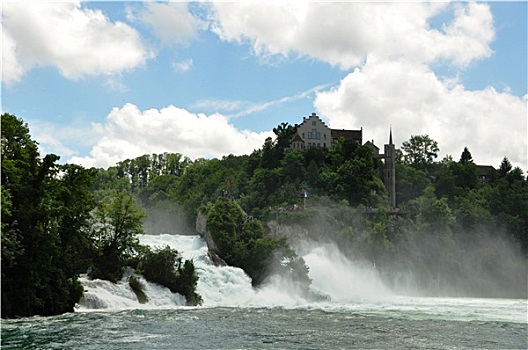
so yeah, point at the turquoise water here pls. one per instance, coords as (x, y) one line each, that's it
(262, 328)
(361, 313)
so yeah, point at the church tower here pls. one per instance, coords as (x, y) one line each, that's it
(390, 171)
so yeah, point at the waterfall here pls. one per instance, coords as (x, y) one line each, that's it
(343, 280)
(332, 274)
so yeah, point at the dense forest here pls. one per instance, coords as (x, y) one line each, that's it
(451, 233)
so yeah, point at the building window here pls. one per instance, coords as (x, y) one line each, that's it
(313, 123)
(314, 135)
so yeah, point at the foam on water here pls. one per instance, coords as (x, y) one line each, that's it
(105, 295)
(352, 287)
(340, 278)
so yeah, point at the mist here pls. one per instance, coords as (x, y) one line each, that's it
(167, 217)
(342, 279)
(348, 259)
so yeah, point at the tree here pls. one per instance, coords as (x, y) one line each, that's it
(410, 182)
(505, 167)
(420, 151)
(432, 215)
(45, 209)
(284, 133)
(269, 159)
(243, 243)
(349, 172)
(166, 267)
(116, 224)
(312, 173)
(292, 167)
(466, 157)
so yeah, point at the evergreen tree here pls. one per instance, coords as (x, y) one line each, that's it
(465, 157)
(505, 167)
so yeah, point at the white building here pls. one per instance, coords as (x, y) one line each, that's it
(313, 132)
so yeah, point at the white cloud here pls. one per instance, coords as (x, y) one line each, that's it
(221, 106)
(12, 70)
(238, 109)
(130, 132)
(182, 66)
(75, 40)
(172, 22)
(64, 140)
(414, 101)
(260, 107)
(345, 33)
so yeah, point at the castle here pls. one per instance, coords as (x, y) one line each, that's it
(313, 132)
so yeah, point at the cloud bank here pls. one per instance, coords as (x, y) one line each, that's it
(344, 33)
(171, 22)
(129, 132)
(393, 47)
(415, 101)
(76, 41)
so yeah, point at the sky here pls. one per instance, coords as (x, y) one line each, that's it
(101, 82)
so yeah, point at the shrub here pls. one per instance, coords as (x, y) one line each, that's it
(166, 267)
(138, 289)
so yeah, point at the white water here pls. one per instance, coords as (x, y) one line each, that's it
(352, 287)
(345, 281)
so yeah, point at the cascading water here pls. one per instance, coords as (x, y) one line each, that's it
(226, 286)
(332, 274)
(343, 280)
(361, 312)
(351, 286)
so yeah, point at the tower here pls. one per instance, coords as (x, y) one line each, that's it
(390, 170)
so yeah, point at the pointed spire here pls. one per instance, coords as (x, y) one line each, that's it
(390, 136)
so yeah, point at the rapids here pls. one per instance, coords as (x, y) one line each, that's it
(361, 313)
(351, 287)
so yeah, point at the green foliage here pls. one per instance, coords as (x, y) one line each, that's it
(138, 288)
(465, 157)
(284, 133)
(166, 267)
(293, 167)
(455, 179)
(505, 167)
(420, 151)
(430, 214)
(51, 232)
(243, 243)
(45, 211)
(115, 226)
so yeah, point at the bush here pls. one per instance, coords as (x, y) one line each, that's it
(106, 265)
(166, 267)
(138, 289)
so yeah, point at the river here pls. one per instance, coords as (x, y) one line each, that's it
(362, 314)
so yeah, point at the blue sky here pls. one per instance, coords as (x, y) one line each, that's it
(99, 82)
